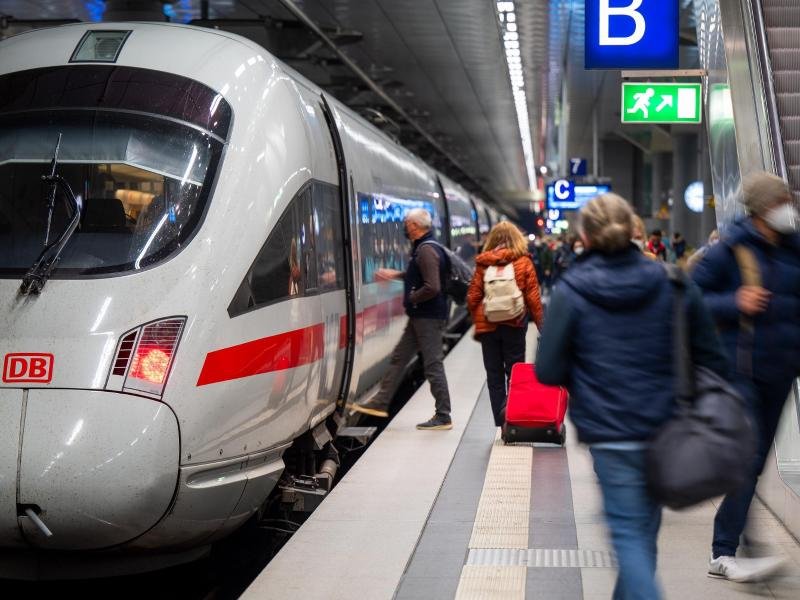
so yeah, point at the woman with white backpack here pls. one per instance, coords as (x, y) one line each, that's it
(503, 296)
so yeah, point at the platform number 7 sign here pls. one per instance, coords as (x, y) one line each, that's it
(577, 167)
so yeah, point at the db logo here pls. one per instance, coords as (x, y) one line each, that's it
(28, 368)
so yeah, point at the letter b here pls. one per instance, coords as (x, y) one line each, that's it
(606, 12)
(38, 368)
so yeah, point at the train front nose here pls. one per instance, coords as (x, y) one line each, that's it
(100, 468)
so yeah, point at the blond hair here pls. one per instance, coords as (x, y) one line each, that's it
(508, 235)
(607, 223)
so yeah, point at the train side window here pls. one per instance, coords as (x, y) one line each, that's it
(308, 227)
(285, 267)
(328, 237)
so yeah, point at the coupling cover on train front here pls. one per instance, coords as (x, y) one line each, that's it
(100, 468)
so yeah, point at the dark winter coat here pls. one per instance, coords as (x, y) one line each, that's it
(608, 338)
(423, 281)
(776, 340)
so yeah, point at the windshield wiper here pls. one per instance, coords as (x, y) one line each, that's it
(34, 280)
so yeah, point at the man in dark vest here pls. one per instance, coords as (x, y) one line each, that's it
(426, 306)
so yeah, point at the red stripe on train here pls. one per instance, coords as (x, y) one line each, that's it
(274, 353)
(372, 319)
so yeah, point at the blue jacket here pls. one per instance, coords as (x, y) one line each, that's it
(776, 342)
(608, 338)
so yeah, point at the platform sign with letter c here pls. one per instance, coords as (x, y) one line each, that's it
(632, 34)
(564, 190)
(566, 195)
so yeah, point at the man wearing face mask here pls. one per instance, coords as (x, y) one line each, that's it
(426, 306)
(751, 284)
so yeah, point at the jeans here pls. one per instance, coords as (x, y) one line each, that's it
(633, 517)
(425, 336)
(502, 349)
(766, 400)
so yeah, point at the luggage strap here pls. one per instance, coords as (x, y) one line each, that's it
(751, 275)
(681, 352)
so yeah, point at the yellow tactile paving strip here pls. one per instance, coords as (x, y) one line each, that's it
(501, 522)
(504, 510)
(492, 583)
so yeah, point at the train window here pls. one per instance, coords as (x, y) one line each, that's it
(288, 264)
(116, 88)
(328, 236)
(463, 230)
(382, 235)
(142, 184)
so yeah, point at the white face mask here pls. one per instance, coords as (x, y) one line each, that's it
(639, 244)
(578, 250)
(783, 218)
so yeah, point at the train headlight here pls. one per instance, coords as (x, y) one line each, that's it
(144, 357)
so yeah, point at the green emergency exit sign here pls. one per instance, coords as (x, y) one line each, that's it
(662, 102)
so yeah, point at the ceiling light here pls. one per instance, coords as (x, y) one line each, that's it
(508, 24)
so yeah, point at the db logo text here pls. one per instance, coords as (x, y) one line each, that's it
(28, 368)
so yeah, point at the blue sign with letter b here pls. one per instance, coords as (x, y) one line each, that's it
(632, 34)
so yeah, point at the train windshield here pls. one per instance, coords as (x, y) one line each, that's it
(141, 180)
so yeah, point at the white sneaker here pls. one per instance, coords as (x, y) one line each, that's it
(743, 570)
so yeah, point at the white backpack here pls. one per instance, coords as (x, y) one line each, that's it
(502, 298)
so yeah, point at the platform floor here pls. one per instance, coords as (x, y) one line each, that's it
(436, 515)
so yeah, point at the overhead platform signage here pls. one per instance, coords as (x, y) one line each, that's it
(565, 194)
(632, 34)
(578, 167)
(662, 103)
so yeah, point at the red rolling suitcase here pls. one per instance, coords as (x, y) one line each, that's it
(534, 411)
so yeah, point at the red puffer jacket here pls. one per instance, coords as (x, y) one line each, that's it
(525, 275)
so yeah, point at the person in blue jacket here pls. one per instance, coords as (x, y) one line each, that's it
(751, 284)
(608, 338)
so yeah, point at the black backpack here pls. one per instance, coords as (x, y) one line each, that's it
(458, 274)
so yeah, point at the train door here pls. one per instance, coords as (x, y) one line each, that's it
(342, 227)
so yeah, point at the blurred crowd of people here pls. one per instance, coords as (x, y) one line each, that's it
(553, 255)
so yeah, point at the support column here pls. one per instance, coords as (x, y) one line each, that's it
(684, 171)
(563, 129)
(595, 142)
(659, 188)
(709, 219)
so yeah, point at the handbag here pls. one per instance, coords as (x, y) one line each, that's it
(708, 447)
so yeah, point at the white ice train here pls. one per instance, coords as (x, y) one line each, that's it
(211, 299)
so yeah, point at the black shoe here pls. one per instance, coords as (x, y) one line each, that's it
(437, 422)
(371, 407)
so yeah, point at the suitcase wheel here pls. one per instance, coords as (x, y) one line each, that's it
(562, 436)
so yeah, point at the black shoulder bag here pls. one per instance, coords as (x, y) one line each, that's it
(708, 447)
(458, 274)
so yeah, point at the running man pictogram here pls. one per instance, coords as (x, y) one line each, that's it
(642, 103)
